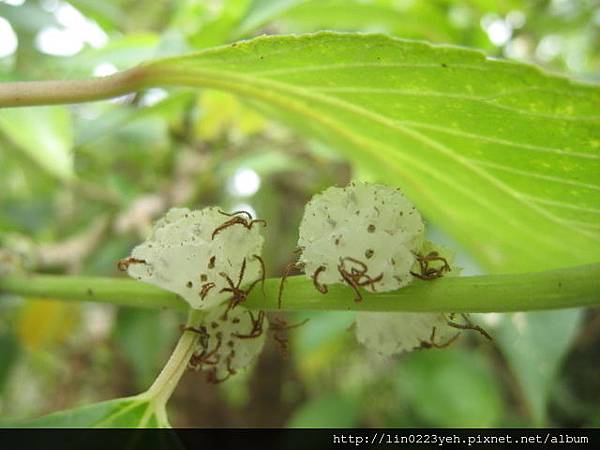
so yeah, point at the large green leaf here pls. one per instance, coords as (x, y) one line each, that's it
(129, 412)
(505, 157)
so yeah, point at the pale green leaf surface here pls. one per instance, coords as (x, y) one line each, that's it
(504, 157)
(44, 134)
(129, 412)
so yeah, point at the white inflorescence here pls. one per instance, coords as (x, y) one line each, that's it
(361, 225)
(391, 333)
(234, 338)
(183, 255)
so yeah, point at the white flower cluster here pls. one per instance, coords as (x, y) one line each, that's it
(391, 333)
(212, 260)
(230, 340)
(183, 254)
(371, 236)
(362, 235)
(366, 236)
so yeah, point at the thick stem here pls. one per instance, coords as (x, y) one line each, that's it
(561, 288)
(31, 93)
(118, 291)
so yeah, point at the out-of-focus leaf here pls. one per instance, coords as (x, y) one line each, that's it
(450, 388)
(46, 323)
(27, 18)
(534, 345)
(103, 260)
(129, 412)
(320, 339)
(147, 134)
(423, 20)
(218, 29)
(109, 15)
(502, 156)
(237, 392)
(123, 53)
(9, 353)
(44, 134)
(331, 411)
(447, 22)
(261, 11)
(140, 338)
(265, 163)
(114, 118)
(222, 112)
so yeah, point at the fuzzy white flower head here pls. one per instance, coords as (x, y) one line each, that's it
(188, 254)
(391, 333)
(231, 339)
(363, 228)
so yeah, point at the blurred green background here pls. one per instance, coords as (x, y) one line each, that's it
(81, 185)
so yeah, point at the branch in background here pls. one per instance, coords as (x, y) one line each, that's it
(72, 251)
(562, 288)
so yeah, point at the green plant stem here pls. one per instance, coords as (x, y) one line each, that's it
(169, 377)
(31, 93)
(561, 288)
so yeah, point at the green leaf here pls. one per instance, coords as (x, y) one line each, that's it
(143, 341)
(129, 412)
(27, 18)
(262, 11)
(109, 15)
(423, 20)
(218, 29)
(505, 157)
(44, 134)
(123, 52)
(113, 119)
(331, 411)
(319, 342)
(10, 352)
(534, 345)
(450, 388)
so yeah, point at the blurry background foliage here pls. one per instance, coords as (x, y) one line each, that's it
(81, 185)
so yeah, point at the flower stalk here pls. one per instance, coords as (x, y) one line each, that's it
(169, 377)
